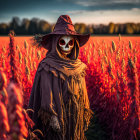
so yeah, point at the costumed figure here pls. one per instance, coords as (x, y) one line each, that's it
(59, 95)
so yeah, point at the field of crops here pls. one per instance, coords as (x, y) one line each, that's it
(113, 81)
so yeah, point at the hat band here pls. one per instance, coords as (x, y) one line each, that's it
(64, 27)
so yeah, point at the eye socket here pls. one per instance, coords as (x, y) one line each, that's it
(62, 42)
(71, 42)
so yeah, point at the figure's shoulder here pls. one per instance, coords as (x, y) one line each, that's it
(82, 63)
(43, 66)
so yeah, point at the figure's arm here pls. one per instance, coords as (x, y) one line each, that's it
(47, 102)
(47, 110)
(87, 111)
(31, 100)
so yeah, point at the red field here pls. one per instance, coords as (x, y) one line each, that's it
(113, 80)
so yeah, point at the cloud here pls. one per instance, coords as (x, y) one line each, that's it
(87, 9)
(74, 12)
(68, 12)
(104, 2)
(110, 4)
(135, 9)
(105, 16)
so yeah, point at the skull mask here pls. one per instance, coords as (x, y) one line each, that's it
(66, 44)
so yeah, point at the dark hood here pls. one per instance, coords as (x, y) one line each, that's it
(69, 66)
(55, 50)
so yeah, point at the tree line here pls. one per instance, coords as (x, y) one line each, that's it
(39, 26)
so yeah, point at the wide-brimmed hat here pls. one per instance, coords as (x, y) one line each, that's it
(63, 26)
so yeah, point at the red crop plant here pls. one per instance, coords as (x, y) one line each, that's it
(113, 86)
(12, 57)
(113, 80)
(16, 118)
(4, 124)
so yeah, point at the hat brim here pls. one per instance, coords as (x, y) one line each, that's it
(82, 38)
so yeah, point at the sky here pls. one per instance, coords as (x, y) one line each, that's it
(86, 11)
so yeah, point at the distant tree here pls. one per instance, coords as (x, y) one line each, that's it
(33, 27)
(111, 28)
(15, 25)
(100, 30)
(116, 28)
(134, 26)
(96, 27)
(104, 29)
(129, 29)
(37, 26)
(52, 27)
(44, 26)
(137, 29)
(25, 26)
(80, 28)
(77, 26)
(121, 28)
(90, 29)
(4, 28)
